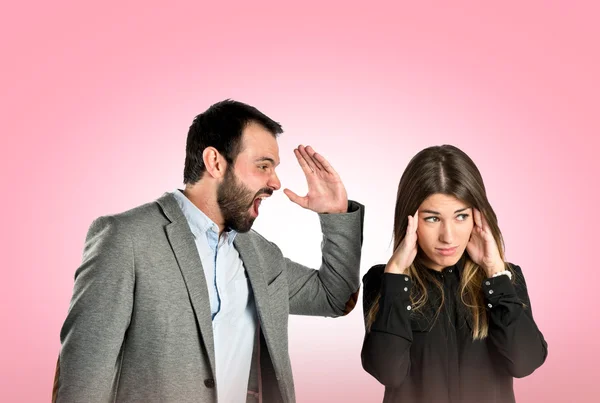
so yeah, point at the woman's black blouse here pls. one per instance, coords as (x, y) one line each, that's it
(421, 360)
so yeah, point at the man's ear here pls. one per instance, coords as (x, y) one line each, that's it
(215, 163)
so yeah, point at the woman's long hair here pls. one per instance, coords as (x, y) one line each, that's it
(446, 170)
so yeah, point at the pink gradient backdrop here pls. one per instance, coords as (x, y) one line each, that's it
(97, 99)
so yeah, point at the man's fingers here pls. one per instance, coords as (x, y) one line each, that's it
(322, 162)
(313, 156)
(307, 158)
(303, 163)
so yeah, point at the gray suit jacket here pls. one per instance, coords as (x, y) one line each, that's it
(139, 325)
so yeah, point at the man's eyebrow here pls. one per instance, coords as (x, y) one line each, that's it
(269, 159)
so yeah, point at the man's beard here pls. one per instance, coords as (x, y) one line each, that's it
(234, 200)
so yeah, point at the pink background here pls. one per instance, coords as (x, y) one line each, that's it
(97, 99)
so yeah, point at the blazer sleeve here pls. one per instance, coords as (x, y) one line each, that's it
(98, 317)
(386, 347)
(513, 333)
(333, 289)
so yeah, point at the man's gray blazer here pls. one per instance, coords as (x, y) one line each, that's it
(139, 325)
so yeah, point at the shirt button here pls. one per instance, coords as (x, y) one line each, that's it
(405, 288)
(405, 278)
(408, 307)
(487, 283)
(450, 270)
(491, 291)
(209, 383)
(489, 305)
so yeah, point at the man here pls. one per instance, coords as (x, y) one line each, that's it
(179, 301)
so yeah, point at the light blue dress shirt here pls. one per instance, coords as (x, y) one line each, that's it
(231, 302)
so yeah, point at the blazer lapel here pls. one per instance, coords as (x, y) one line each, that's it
(252, 264)
(255, 267)
(182, 242)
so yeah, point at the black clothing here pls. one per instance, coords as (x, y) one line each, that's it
(421, 360)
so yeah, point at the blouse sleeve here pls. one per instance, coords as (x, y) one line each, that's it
(512, 330)
(386, 347)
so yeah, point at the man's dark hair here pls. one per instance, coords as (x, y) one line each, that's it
(221, 126)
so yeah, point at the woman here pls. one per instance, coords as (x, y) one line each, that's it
(447, 319)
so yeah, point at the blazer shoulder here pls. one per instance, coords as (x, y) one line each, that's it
(143, 221)
(138, 217)
(145, 211)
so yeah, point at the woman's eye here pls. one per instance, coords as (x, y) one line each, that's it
(432, 219)
(462, 217)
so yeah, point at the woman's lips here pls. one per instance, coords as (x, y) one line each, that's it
(446, 251)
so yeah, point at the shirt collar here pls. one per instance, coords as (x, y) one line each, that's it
(457, 267)
(199, 222)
